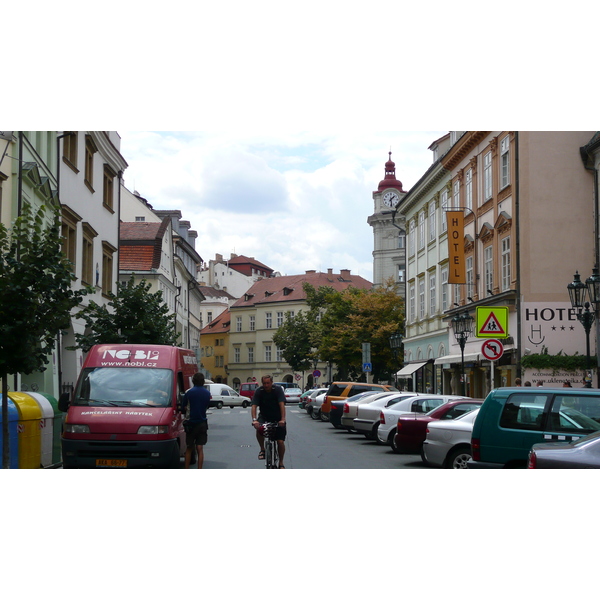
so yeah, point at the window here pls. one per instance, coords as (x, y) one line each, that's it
(267, 353)
(87, 254)
(209, 316)
(432, 221)
(411, 238)
(457, 293)
(401, 239)
(219, 361)
(250, 354)
(69, 235)
(523, 411)
(506, 264)
(400, 275)
(487, 176)
(70, 149)
(236, 355)
(444, 206)
(252, 323)
(488, 260)
(90, 150)
(279, 355)
(456, 194)
(108, 190)
(469, 189)
(107, 267)
(421, 230)
(268, 320)
(574, 414)
(444, 274)
(504, 163)
(279, 319)
(411, 296)
(421, 298)
(458, 411)
(469, 273)
(432, 295)
(238, 324)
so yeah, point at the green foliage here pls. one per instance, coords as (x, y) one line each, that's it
(132, 316)
(36, 298)
(296, 338)
(556, 362)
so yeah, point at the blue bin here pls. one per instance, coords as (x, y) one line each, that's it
(13, 436)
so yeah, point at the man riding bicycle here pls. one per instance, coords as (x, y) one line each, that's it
(270, 400)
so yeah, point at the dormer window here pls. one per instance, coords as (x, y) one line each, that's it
(287, 291)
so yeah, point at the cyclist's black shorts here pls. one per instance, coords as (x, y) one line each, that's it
(280, 431)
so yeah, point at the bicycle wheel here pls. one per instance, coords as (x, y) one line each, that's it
(268, 454)
(275, 456)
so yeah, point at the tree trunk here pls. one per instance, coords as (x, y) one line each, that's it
(5, 445)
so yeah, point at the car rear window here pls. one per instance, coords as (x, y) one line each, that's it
(573, 414)
(336, 390)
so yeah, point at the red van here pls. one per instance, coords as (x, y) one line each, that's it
(125, 410)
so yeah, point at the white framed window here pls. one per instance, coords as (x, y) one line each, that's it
(401, 274)
(268, 320)
(469, 189)
(488, 262)
(279, 354)
(432, 295)
(456, 194)
(432, 221)
(469, 274)
(505, 264)
(250, 354)
(421, 230)
(236, 355)
(487, 176)
(504, 162)
(252, 323)
(209, 317)
(411, 302)
(279, 319)
(443, 206)
(457, 293)
(267, 353)
(401, 239)
(238, 324)
(422, 298)
(444, 278)
(411, 238)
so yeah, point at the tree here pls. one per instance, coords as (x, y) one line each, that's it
(295, 338)
(136, 317)
(36, 297)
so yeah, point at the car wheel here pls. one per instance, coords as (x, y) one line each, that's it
(324, 416)
(458, 459)
(423, 456)
(315, 414)
(219, 405)
(244, 404)
(395, 448)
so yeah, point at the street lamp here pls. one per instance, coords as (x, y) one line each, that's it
(577, 294)
(462, 326)
(395, 343)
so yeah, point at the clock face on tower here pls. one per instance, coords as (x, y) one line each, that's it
(391, 199)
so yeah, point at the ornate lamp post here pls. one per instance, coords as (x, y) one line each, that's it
(462, 326)
(395, 344)
(577, 294)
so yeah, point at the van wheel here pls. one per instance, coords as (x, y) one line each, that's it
(458, 459)
(219, 405)
(244, 404)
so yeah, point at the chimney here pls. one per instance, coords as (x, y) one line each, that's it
(218, 258)
(330, 272)
(345, 273)
(311, 272)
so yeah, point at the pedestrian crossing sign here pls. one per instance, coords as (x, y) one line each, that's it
(492, 322)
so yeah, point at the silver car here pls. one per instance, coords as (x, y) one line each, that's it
(583, 453)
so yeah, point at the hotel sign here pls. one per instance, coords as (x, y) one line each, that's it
(456, 247)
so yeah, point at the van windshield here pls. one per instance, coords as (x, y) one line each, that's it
(124, 386)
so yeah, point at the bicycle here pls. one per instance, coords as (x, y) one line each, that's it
(271, 447)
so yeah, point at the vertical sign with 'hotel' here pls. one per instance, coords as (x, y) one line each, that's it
(456, 247)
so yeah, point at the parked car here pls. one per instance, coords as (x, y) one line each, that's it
(317, 403)
(512, 420)
(248, 389)
(350, 410)
(388, 417)
(367, 415)
(342, 390)
(337, 408)
(292, 394)
(308, 406)
(223, 395)
(448, 442)
(411, 428)
(583, 453)
(303, 397)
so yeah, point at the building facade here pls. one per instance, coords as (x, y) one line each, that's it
(214, 351)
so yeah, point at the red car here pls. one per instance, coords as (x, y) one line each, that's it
(412, 428)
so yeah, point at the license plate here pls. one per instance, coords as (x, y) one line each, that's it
(111, 462)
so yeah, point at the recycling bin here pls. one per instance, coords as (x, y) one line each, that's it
(13, 440)
(28, 427)
(46, 427)
(57, 428)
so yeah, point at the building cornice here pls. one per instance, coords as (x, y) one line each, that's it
(462, 148)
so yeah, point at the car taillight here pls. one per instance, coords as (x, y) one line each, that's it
(426, 430)
(346, 408)
(475, 449)
(532, 461)
(382, 418)
(399, 424)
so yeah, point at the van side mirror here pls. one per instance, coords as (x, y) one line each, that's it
(64, 401)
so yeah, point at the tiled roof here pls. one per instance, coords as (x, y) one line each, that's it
(139, 231)
(289, 287)
(219, 324)
(136, 258)
(244, 260)
(211, 292)
(141, 245)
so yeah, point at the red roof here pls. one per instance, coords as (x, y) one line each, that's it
(141, 245)
(219, 324)
(136, 258)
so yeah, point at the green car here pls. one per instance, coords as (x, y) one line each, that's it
(512, 420)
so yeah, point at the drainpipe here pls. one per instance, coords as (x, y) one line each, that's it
(518, 253)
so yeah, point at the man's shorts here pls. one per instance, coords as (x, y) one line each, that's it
(280, 432)
(198, 436)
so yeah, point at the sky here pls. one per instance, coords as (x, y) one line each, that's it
(292, 201)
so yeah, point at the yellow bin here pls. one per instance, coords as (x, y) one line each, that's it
(29, 431)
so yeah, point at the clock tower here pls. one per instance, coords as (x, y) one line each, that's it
(389, 230)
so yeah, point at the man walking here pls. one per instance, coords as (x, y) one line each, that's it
(270, 399)
(198, 398)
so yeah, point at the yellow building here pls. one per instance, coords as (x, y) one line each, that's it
(214, 345)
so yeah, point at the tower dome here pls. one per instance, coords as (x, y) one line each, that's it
(390, 181)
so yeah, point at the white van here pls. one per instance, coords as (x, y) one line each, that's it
(223, 395)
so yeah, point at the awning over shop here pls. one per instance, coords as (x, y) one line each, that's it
(408, 370)
(455, 358)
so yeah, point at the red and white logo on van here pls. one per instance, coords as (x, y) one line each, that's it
(126, 355)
